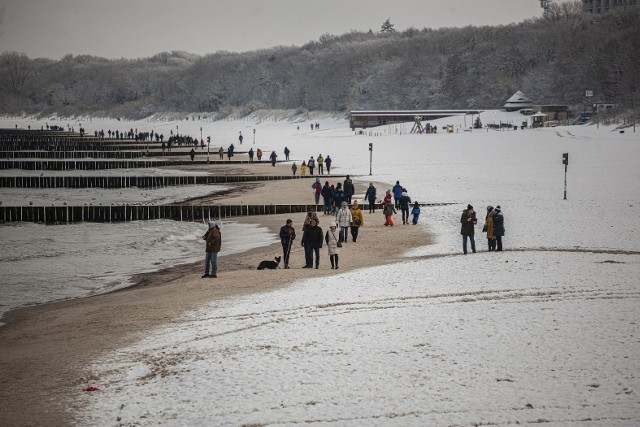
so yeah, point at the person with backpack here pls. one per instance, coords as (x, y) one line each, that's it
(311, 164)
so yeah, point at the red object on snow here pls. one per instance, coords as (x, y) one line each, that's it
(91, 388)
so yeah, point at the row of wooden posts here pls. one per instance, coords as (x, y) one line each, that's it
(121, 213)
(136, 181)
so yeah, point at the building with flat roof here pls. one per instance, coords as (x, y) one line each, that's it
(604, 6)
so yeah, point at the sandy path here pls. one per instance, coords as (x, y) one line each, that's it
(45, 350)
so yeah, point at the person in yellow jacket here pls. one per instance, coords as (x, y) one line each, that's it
(358, 220)
(320, 162)
(303, 168)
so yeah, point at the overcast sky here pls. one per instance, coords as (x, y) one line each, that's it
(142, 28)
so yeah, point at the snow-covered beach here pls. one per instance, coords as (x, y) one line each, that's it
(546, 331)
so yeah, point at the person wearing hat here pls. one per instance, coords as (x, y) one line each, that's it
(498, 227)
(332, 244)
(213, 239)
(489, 229)
(287, 236)
(468, 221)
(344, 219)
(358, 220)
(312, 242)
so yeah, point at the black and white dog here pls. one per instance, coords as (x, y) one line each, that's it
(272, 265)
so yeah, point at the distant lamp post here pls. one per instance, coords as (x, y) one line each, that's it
(370, 157)
(208, 143)
(565, 162)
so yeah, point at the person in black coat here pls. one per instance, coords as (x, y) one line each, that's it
(349, 189)
(312, 242)
(498, 227)
(287, 236)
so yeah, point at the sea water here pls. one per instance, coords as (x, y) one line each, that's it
(45, 263)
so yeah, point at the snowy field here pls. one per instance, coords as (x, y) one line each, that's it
(545, 332)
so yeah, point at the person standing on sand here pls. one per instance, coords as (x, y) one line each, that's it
(251, 154)
(273, 157)
(498, 226)
(320, 161)
(286, 153)
(327, 197)
(327, 163)
(221, 153)
(294, 168)
(370, 195)
(358, 220)
(287, 236)
(213, 239)
(468, 220)
(259, 154)
(303, 169)
(332, 245)
(488, 228)
(312, 242)
(344, 220)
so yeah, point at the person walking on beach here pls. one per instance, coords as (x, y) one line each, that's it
(240, 137)
(370, 195)
(332, 245)
(213, 239)
(287, 236)
(344, 220)
(358, 220)
(489, 229)
(498, 227)
(348, 188)
(338, 196)
(311, 164)
(312, 243)
(317, 190)
(230, 152)
(221, 153)
(303, 169)
(259, 155)
(415, 212)
(388, 210)
(294, 168)
(320, 162)
(405, 203)
(273, 158)
(327, 198)
(286, 153)
(251, 154)
(327, 162)
(397, 193)
(468, 221)
(192, 154)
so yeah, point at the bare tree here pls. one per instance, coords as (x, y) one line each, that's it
(18, 66)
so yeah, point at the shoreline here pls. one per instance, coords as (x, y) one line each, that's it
(46, 350)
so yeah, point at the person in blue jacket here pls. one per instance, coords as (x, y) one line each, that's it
(416, 213)
(397, 193)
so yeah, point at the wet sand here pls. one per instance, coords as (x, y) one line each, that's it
(45, 350)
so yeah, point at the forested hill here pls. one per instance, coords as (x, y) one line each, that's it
(552, 59)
